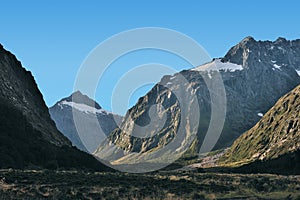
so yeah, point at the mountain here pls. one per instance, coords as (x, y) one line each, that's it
(275, 136)
(86, 109)
(19, 88)
(255, 75)
(28, 136)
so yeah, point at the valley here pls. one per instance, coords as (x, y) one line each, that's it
(256, 157)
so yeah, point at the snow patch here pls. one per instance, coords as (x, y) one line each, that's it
(169, 94)
(217, 65)
(209, 75)
(277, 66)
(260, 114)
(82, 107)
(280, 48)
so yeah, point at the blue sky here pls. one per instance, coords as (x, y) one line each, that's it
(52, 38)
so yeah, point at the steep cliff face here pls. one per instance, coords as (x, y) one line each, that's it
(19, 88)
(86, 109)
(276, 134)
(28, 136)
(255, 75)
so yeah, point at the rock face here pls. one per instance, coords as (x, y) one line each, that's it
(86, 109)
(28, 136)
(255, 75)
(276, 134)
(19, 88)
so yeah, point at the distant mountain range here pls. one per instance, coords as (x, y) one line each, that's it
(95, 131)
(28, 136)
(255, 75)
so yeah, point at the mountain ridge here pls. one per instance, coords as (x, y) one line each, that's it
(28, 97)
(275, 135)
(268, 71)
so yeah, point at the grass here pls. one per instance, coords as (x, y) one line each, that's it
(159, 185)
(213, 153)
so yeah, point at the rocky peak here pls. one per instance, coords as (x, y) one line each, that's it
(254, 54)
(247, 40)
(280, 40)
(97, 122)
(78, 97)
(240, 53)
